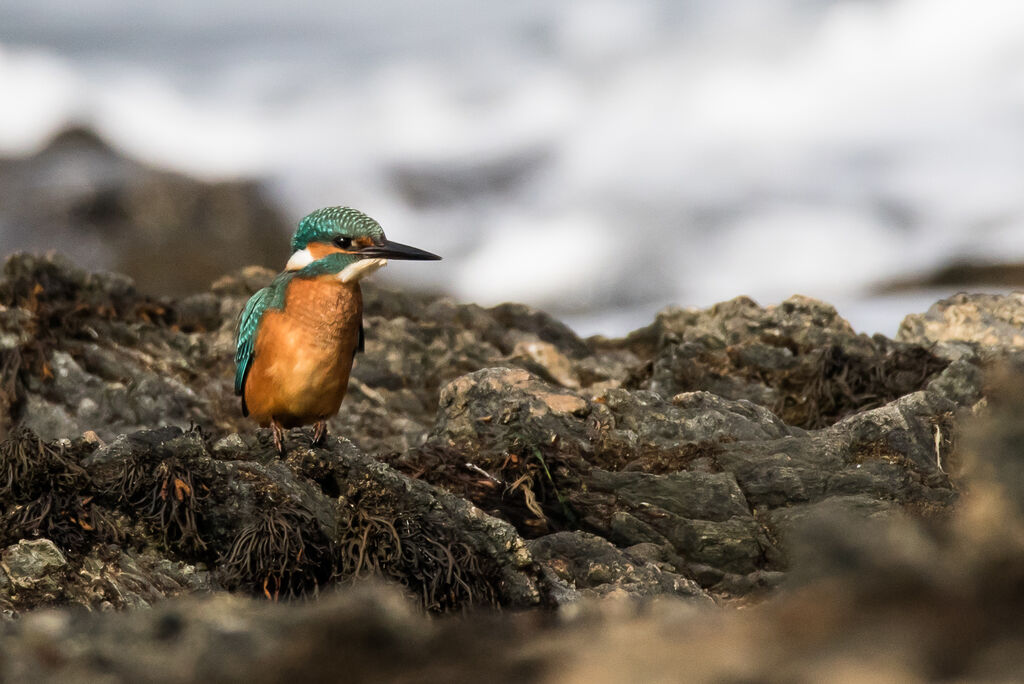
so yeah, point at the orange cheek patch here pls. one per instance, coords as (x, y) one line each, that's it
(363, 241)
(321, 249)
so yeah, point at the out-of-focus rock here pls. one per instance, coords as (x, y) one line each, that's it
(963, 274)
(433, 185)
(171, 234)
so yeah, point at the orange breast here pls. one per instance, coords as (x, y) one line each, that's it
(303, 353)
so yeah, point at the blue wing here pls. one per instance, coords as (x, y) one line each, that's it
(248, 326)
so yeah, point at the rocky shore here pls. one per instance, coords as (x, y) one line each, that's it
(795, 498)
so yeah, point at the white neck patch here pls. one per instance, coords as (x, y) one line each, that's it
(299, 260)
(355, 272)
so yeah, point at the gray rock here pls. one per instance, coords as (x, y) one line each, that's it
(498, 460)
(109, 578)
(34, 565)
(471, 431)
(800, 359)
(593, 567)
(116, 213)
(961, 382)
(707, 496)
(790, 523)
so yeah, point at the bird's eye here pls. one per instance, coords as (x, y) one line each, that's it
(343, 242)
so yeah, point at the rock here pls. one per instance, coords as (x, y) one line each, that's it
(693, 473)
(881, 596)
(113, 578)
(171, 234)
(435, 184)
(554, 365)
(799, 359)
(265, 526)
(101, 357)
(792, 524)
(243, 282)
(35, 566)
(989, 320)
(962, 273)
(709, 496)
(593, 567)
(490, 459)
(476, 435)
(961, 382)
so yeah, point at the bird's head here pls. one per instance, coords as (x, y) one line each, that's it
(347, 242)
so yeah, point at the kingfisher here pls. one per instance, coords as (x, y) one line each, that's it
(298, 337)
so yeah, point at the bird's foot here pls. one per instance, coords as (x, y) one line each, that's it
(278, 437)
(320, 433)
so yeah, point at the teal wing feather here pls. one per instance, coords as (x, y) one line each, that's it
(248, 327)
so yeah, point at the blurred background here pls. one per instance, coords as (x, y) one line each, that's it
(598, 159)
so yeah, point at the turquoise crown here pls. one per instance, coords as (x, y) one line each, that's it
(323, 225)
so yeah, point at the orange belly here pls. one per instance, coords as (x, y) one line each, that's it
(303, 353)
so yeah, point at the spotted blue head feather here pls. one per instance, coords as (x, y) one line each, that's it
(323, 225)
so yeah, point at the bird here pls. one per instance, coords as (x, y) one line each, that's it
(297, 338)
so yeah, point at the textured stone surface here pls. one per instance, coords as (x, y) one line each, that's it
(989, 320)
(684, 438)
(491, 458)
(591, 567)
(880, 595)
(32, 565)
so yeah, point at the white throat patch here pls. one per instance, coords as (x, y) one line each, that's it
(353, 273)
(299, 260)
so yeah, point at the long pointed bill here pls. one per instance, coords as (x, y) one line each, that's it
(396, 250)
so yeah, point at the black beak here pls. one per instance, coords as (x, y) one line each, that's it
(396, 250)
